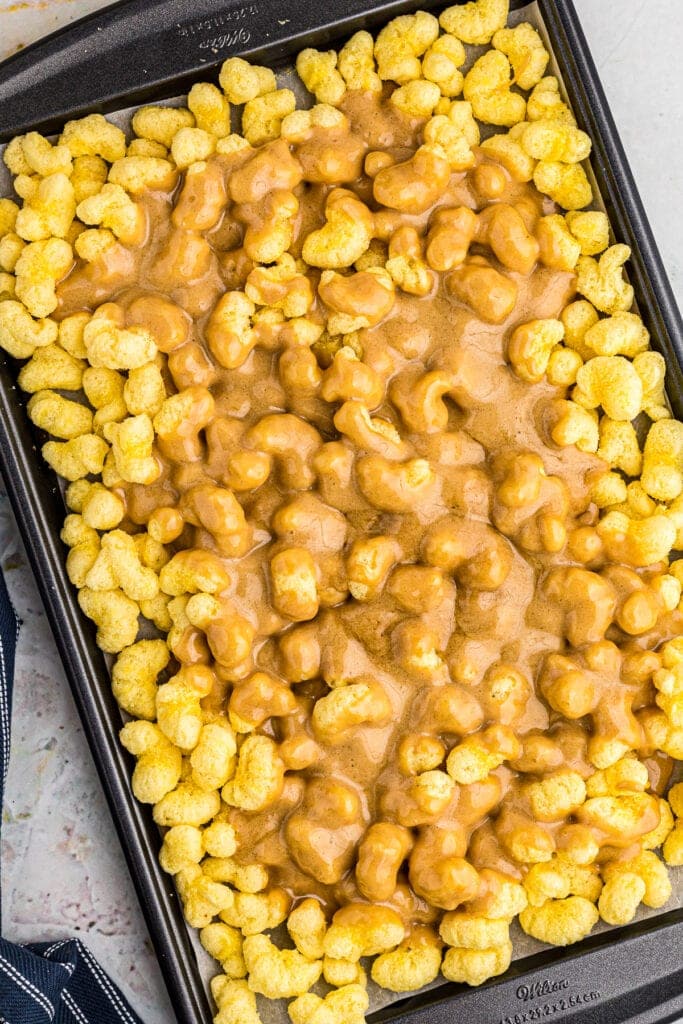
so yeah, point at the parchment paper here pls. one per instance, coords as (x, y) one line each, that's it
(275, 1011)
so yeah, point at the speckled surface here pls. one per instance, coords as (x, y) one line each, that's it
(62, 870)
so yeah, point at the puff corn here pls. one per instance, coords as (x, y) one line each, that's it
(374, 496)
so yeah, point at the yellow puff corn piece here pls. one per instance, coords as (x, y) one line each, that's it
(662, 472)
(20, 334)
(568, 186)
(241, 81)
(528, 56)
(39, 267)
(560, 922)
(94, 136)
(487, 88)
(59, 416)
(602, 281)
(346, 1005)
(401, 43)
(475, 22)
(134, 677)
(158, 765)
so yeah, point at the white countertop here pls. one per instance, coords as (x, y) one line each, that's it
(62, 870)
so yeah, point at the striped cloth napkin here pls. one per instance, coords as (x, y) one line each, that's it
(42, 982)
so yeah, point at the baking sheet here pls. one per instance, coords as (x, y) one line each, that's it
(274, 1012)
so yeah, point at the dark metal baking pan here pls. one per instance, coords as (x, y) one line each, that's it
(139, 49)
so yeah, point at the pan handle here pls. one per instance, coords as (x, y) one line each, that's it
(136, 50)
(630, 976)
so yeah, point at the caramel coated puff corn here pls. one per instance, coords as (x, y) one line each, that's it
(361, 929)
(531, 345)
(571, 424)
(345, 235)
(356, 63)
(508, 152)
(558, 247)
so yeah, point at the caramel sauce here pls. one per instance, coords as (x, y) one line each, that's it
(475, 629)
